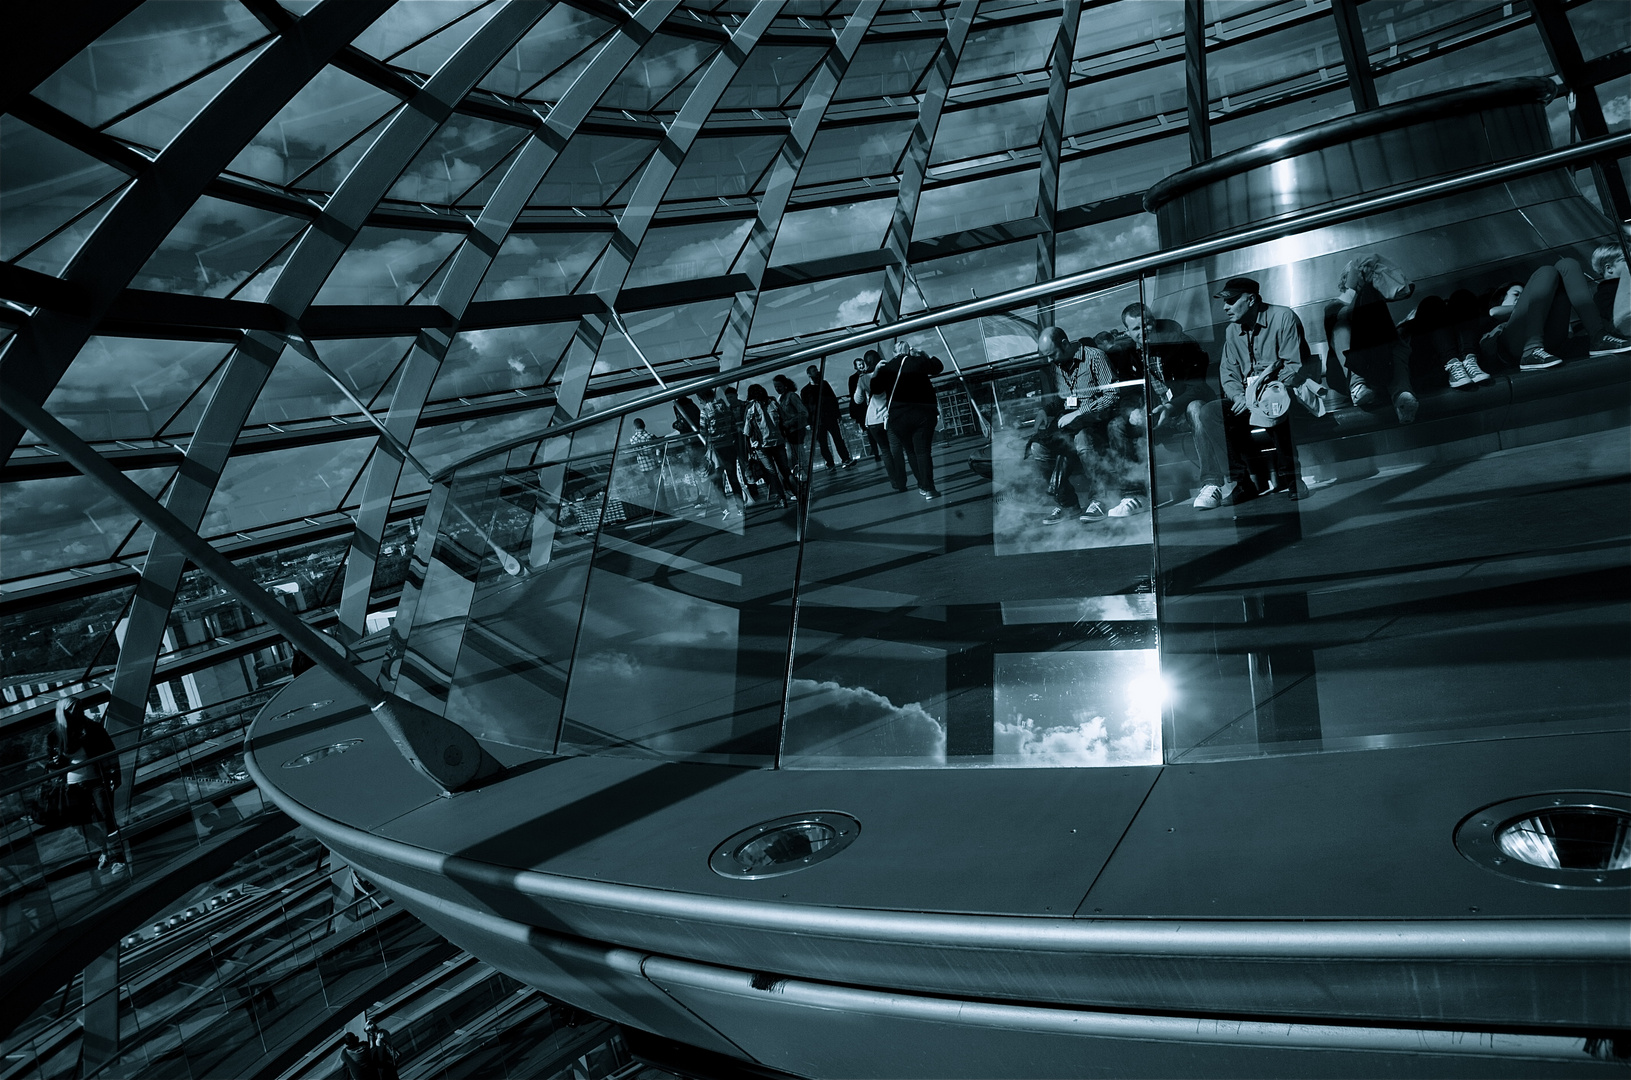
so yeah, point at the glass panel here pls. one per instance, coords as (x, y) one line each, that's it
(849, 153)
(663, 62)
(1114, 35)
(1002, 51)
(831, 230)
(688, 587)
(769, 75)
(514, 652)
(963, 629)
(326, 114)
(1274, 64)
(403, 25)
(155, 125)
(54, 256)
(1600, 26)
(126, 388)
(687, 252)
(46, 182)
(541, 264)
(1263, 124)
(1089, 178)
(681, 332)
(1105, 243)
(988, 129)
(950, 208)
(884, 68)
(590, 170)
(160, 44)
(1518, 52)
(297, 390)
(431, 54)
(723, 168)
(561, 34)
(52, 638)
(952, 280)
(1399, 530)
(455, 158)
(1120, 106)
(386, 266)
(494, 361)
(263, 489)
(216, 247)
(66, 521)
(784, 314)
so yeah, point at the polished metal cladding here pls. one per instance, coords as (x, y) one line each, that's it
(1475, 240)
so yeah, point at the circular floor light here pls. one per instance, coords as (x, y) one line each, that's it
(1562, 839)
(784, 845)
(320, 753)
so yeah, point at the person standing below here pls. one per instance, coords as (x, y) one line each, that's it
(719, 428)
(767, 443)
(356, 1058)
(860, 396)
(879, 386)
(1262, 343)
(913, 415)
(1084, 382)
(795, 424)
(93, 773)
(822, 405)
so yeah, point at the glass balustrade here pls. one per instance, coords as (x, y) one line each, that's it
(1373, 494)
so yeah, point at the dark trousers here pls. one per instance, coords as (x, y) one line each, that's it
(1541, 317)
(911, 434)
(1449, 327)
(1059, 463)
(879, 444)
(1244, 460)
(895, 467)
(726, 478)
(827, 429)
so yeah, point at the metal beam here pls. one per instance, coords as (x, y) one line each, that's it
(1587, 110)
(1351, 38)
(788, 162)
(470, 264)
(1051, 144)
(632, 225)
(313, 258)
(918, 147)
(1197, 96)
(442, 751)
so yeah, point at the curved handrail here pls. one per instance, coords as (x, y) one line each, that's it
(1103, 277)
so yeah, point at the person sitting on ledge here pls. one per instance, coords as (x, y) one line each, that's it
(1082, 379)
(1445, 333)
(1536, 320)
(1262, 343)
(1362, 336)
(1613, 295)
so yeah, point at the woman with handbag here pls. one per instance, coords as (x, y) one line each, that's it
(913, 415)
(93, 774)
(763, 429)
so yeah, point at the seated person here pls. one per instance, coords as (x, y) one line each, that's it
(1058, 459)
(1613, 296)
(1363, 338)
(1184, 399)
(1444, 333)
(1084, 382)
(1533, 318)
(1263, 342)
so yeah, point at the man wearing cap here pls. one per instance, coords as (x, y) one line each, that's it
(1262, 343)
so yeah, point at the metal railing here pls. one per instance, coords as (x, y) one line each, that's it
(1119, 273)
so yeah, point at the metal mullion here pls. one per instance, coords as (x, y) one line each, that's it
(471, 260)
(659, 172)
(936, 85)
(1051, 142)
(1351, 39)
(786, 164)
(178, 87)
(316, 252)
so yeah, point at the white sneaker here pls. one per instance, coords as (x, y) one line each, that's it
(1210, 498)
(1127, 507)
(1405, 404)
(1055, 517)
(1469, 364)
(1360, 393)
(1458, 374)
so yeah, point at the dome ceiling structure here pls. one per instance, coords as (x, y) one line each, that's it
(485, 215)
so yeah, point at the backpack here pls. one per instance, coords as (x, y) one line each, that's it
(717, 424)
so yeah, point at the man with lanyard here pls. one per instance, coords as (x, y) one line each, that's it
(1261, 344)
(1092, 406)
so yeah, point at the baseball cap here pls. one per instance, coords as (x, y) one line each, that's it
(1236, 287)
